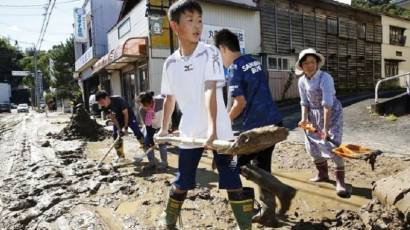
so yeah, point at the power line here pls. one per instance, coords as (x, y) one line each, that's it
(35, 6)
(43, 23)
(46, 25)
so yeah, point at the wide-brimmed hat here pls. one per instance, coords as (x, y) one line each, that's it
(308, 51)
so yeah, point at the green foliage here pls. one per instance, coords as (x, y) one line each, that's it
(27, 64)
(62, 70)
(9, 57)
(383, 7)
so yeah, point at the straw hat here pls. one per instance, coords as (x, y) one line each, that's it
(298, 68)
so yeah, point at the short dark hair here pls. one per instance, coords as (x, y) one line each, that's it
(146, 97)
(303, 59)
(227, 38)
(100, 95)
(180, 7)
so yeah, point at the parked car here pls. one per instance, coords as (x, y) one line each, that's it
(22, 108)
(5, 107)
(13, 106)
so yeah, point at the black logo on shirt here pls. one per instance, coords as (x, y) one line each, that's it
(188, 68)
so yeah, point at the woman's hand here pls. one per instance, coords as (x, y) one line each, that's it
(303, 123)
(325, 134)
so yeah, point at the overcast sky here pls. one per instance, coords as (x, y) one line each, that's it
(21, 20)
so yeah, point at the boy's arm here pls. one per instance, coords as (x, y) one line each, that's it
(238, 106)
(211, 105)
(168, 109)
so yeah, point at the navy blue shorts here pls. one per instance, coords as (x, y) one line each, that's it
(188, 163)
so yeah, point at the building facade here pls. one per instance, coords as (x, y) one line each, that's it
(395, 48)
(141, 41)
(99, 17)
(349, 38)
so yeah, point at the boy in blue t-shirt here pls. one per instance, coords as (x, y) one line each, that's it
(249, 88)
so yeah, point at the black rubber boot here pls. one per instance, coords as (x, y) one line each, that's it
(341, 189)
(242, 207)
(266, 215)
(323, 172)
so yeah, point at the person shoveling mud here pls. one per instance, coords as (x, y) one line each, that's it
(249, 88)
(81, 126)
(320, 107)
(122, 117)
(190, 77)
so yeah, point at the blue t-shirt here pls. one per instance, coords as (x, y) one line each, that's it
(248, 79)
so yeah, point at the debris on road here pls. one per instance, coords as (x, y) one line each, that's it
(81, 126)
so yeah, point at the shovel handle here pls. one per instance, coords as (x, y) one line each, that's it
(217, 144)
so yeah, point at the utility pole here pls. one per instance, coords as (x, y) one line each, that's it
(35, 76)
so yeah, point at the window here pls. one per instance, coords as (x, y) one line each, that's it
(124, 28)
(399, 53)
(361, 31)
(332, 26)
(278, 63)
(397, 36)
(391, 68)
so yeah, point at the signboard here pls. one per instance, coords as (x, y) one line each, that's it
(209, 32)
(156, 23)
(80, 25)
(20, 73)
(84, 59)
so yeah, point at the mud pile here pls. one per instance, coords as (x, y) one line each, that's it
(81, 126)
(373, 216)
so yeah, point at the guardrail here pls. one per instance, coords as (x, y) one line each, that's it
(376, 90)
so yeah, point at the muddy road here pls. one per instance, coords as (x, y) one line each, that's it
(46, 183)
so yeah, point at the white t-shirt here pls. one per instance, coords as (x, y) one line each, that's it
(185, 79)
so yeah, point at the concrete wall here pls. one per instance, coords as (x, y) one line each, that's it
(235, 17)
(156, 62)
(139, 26)
(389, 51)
(116, 83)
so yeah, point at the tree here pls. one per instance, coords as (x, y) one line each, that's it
(63, 60)
(27, 64)
(9, 56)
(382, 7)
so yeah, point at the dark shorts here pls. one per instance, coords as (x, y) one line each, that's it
(188, 163)
(260, 159)
(132, 124)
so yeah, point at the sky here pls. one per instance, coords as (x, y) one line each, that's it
(21, 20)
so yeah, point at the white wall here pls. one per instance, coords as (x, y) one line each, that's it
(389, 51)
(156, 62)
(116, 83)
(139, 26)
(235, 17)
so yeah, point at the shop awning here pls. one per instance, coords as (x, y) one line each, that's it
(132, 50)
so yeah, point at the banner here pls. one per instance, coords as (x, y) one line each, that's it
(209, 32)
(80, 25)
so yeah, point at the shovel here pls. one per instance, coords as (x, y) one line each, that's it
(109, 150)
(350, 151)
(248, 142)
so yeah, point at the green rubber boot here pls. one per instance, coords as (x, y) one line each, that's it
(173, 210)
(242, 207)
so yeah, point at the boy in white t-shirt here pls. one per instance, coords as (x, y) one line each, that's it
(193, 76)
